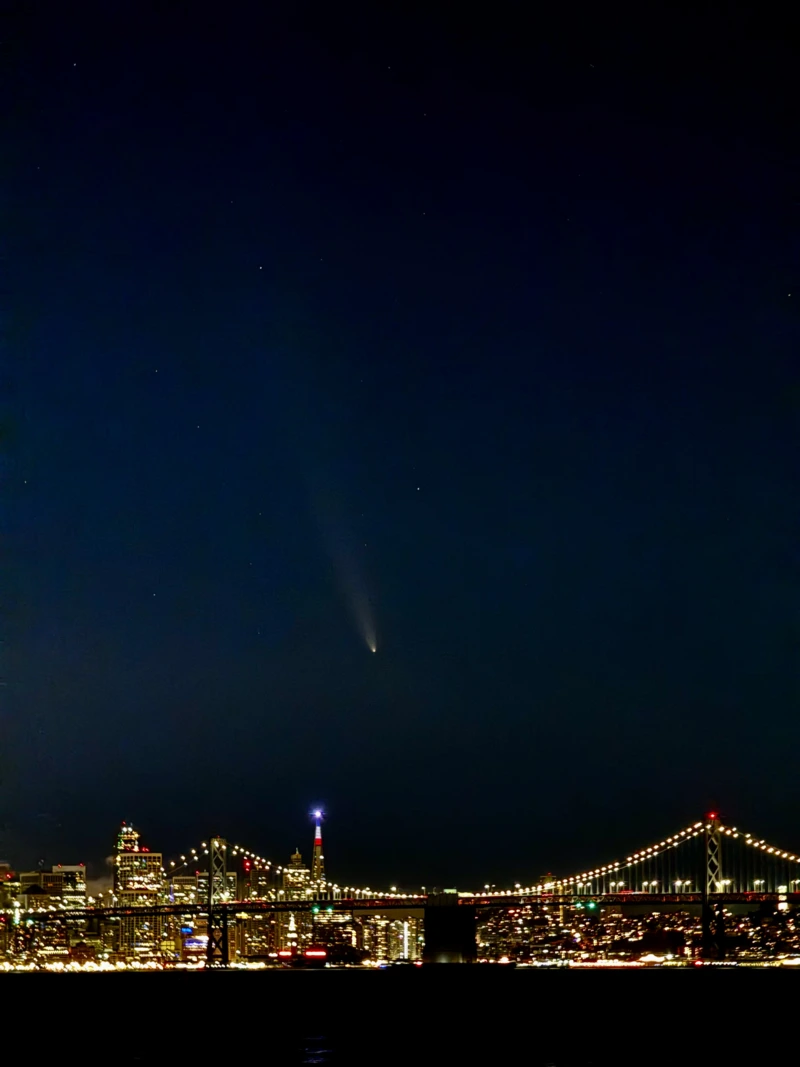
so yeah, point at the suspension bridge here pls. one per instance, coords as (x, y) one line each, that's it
(707, 865)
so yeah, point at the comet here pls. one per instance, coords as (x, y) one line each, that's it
(347, 565)
(366, 625)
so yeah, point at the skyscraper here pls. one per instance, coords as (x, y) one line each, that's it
(138, 879)
(127, 839)
(295, 878)
(318, 860)
(137, 870)
(67, 882)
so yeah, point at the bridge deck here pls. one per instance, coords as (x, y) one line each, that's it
(384, 904)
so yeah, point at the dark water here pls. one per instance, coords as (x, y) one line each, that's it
(448, 1015)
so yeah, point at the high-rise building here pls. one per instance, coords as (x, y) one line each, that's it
(28, 879)
(296, 878)
(258, 884)
(67, 882)
(318, 860)
(138, 880)
(137, 870)
(63, 886)
(138, 873)
(387, 938)
(9, 886)
(293, 931)
(127, 839)
(183, 889)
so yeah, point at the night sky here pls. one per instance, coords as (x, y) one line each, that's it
(471, 339)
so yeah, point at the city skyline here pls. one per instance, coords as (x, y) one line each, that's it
(709, 893)
(635, 873)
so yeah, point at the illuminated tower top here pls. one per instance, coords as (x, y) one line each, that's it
(127, 839)
(318, 862)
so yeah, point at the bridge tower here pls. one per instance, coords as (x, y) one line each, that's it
(713, 854)
(713, 918)
(217, 948)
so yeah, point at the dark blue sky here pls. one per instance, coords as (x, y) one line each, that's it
(481, 329)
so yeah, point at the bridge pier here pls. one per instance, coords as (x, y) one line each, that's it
(713, 919)
(217, 947)
(449, 930)
(713, 915)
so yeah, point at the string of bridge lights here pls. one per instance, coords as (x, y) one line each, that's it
(193, 855)
(675, 841)
(260, 863)
(643, 855)
(760, 844)
(651, 852)
(615, 866)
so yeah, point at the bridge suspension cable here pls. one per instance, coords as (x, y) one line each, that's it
(706, 856)
(201, 856)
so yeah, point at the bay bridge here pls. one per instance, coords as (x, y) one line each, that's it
(707, 867)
